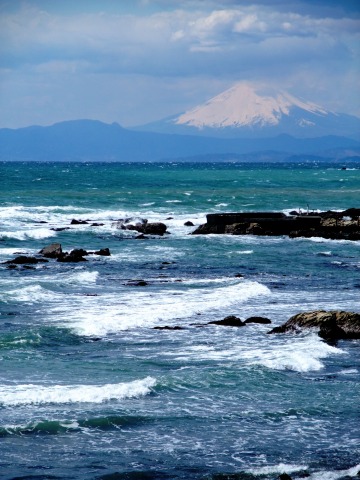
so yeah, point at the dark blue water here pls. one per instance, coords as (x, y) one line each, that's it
(89, 389)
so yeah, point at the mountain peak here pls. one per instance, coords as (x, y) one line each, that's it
(244, 105)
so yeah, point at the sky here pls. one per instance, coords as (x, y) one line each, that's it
(138, 61)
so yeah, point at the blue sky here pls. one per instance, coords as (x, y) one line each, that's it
(136, 61)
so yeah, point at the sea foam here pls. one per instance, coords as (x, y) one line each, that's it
(58, 394)
(111, 313)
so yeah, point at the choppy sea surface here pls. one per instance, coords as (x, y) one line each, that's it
(90, 390)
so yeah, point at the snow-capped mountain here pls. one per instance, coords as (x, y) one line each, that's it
(248, 111)
(242, 106)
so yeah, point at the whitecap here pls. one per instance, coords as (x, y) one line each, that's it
(349, 371)
(58, 394)
(280, 468)
(82, 277)
(37, 233)
(301, 354)
(30, 294)
(141, 308)
(334, 475)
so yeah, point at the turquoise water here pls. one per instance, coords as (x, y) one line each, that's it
(89, 389)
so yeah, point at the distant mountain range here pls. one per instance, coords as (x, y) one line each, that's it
(90, 140)
(247, 111)
(240, 124)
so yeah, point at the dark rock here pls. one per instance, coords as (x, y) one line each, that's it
(239, 275)
(205, 229)
(53, 250)
(170, 218)
(353, 213)
(230, 321)
(137, 283)
(23, 260)
(262, 320)
(330, 331)
(156, 228)
(75, 256)
(59, 229)
(79, 252)
(129, 223)
(255, 229)
(189, 224)
(166, 327)
(284, 476)
(141, 237)
(78, 222)
(97, 224)
(237, 228)
(282, 329)
(331, 325)
(103, 251)
(12, 267)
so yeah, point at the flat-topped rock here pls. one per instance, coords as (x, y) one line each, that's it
(332, 225)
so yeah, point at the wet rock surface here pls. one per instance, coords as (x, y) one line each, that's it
(331, 325)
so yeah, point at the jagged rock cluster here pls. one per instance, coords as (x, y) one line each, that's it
(331, 326)
(55, 251)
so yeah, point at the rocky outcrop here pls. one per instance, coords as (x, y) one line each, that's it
(156, 228)
(105, 252)
(167, 327)
(229, 321)
(137, 283)
(24, 260)
(332, 225)
(331, 325)
(142, 226)
(74, 221)
(261, 320)
(53, 250)
(76, 255)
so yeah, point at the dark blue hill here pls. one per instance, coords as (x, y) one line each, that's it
(90, 140)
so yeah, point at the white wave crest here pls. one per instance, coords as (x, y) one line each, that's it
(35, 394)
(31, 294)
(36, 233)
(326, 475)
(82, 277)
(141, 308)
(280, 468)
(303, 354)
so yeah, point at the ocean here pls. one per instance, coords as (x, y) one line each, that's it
(89, 389)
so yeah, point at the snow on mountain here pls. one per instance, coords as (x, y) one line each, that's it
(243, 105)
(250, 111)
